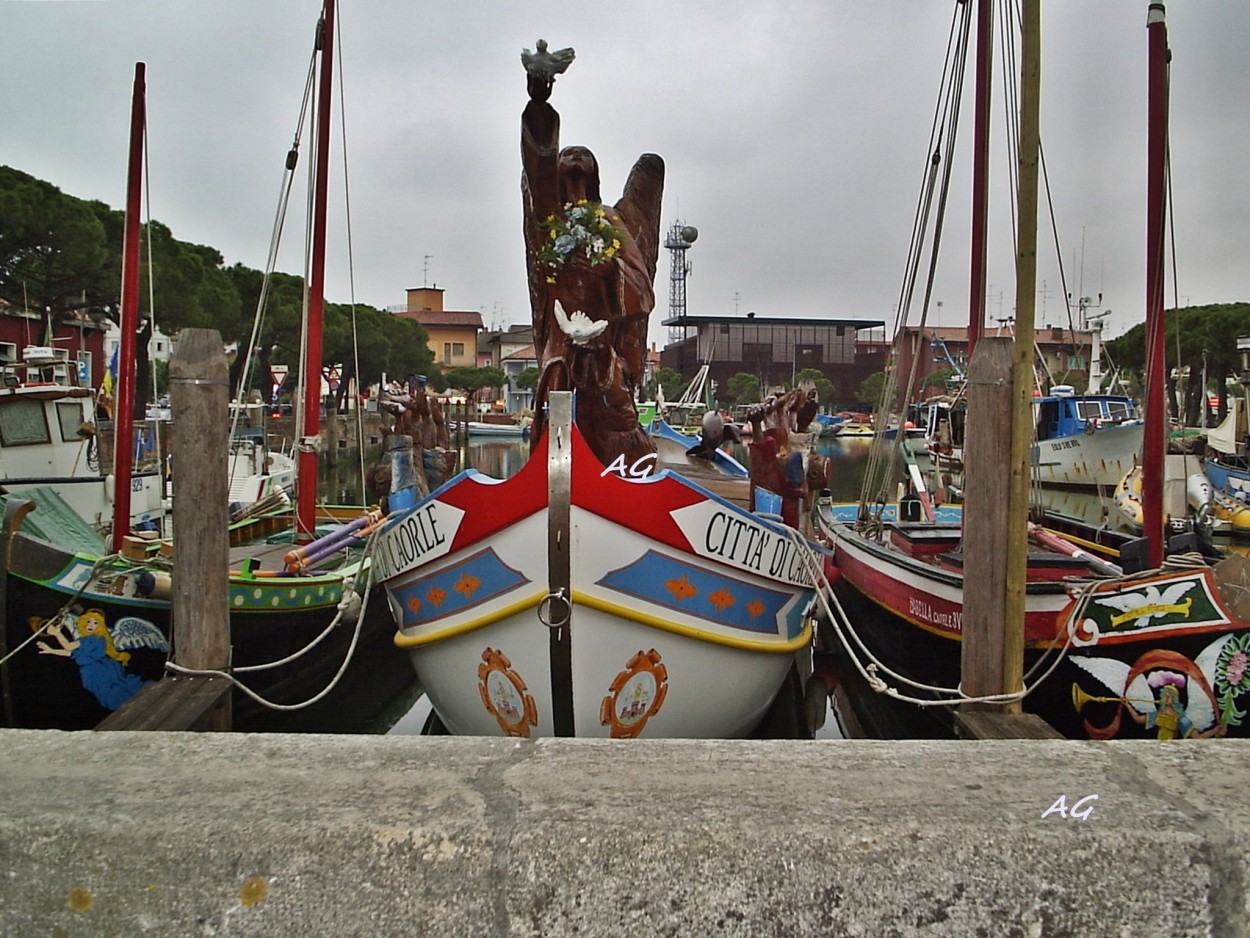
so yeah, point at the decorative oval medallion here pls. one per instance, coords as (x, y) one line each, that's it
(504, 694)
(637, 693)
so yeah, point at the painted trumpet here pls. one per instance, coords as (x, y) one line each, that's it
(1080, 698)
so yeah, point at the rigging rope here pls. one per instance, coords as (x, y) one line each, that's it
(883, 458)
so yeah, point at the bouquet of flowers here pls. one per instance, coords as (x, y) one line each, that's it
(584, 227)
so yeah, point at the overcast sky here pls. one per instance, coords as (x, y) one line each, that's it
(795, 136)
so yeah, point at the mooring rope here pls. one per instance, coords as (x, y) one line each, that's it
(349, 596)
(871, 672)
(60, 613)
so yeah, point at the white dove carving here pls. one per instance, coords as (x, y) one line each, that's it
(579, 327)
(543, 64)
(1149, 597)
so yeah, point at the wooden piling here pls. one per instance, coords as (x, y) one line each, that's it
(199, 442)
(987, 452)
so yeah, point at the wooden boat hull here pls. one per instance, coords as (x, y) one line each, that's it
(680, 614)
(1135, 641)
(270, 619)
(927, 597)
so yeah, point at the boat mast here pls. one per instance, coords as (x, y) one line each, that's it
(124, 404)
(980, 172)
(306, 495)
(1022, 371)
(1156, 209)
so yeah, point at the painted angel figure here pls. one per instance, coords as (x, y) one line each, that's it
(591, 272)
(102, 655)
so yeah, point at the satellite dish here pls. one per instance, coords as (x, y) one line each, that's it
(689, 233)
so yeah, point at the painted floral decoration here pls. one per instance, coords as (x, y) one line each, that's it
(584, 227)
(1232, 678)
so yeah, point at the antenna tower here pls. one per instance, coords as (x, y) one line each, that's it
(678, 240)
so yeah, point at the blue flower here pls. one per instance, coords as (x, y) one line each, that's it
(565, 244)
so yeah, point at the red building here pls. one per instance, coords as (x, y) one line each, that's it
(78, 337)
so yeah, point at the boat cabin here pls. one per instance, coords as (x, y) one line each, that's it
(1065, 413)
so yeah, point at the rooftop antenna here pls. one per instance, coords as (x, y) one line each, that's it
(678, 240)
(425, 270)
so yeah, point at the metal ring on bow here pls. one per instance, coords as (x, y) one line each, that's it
(544, 609)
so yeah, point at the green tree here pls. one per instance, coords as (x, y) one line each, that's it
(1198, 338)
(527, 380)
(54, 249)
(473, 379)
(938, 378)
(742, 388)
(668, 379)
(870, 390)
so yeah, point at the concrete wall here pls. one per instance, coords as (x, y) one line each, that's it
(149, 833)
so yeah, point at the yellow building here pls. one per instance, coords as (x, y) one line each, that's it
(453, 334)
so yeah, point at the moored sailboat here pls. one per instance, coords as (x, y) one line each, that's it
(595, 593)
(1152, 649)
(85, 626)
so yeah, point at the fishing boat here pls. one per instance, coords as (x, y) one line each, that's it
(506, 430)
(830, 425)
(49, 439)
(63, 587)
(87, 622)
(1126, 646)
(679, 450)
(1225, 462)
(1084, 441)
(571, 599)
(595, 592)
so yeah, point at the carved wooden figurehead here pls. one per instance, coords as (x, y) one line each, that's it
(591, 270)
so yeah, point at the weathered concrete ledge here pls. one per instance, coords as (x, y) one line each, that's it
(202, 834)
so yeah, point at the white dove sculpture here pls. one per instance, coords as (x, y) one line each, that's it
(579, 327)
(543, 64)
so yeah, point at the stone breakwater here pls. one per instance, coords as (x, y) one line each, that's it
(136, 833)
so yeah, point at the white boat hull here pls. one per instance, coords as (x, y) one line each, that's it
(672, 627)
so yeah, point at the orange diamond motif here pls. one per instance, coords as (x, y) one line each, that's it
(467, 585)
(414, 605)
(722, 599)
(681, 589)
(435, 596)
(755, 609)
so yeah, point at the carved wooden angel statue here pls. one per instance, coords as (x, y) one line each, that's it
(591, 269)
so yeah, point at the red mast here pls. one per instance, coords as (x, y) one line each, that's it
(124, 406)
(306, 496)
(1156, 210)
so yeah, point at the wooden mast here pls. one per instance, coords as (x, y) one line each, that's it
(1022, 390)
(1156, 209)
(124, 402)
(306, 496)
(980, 171)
